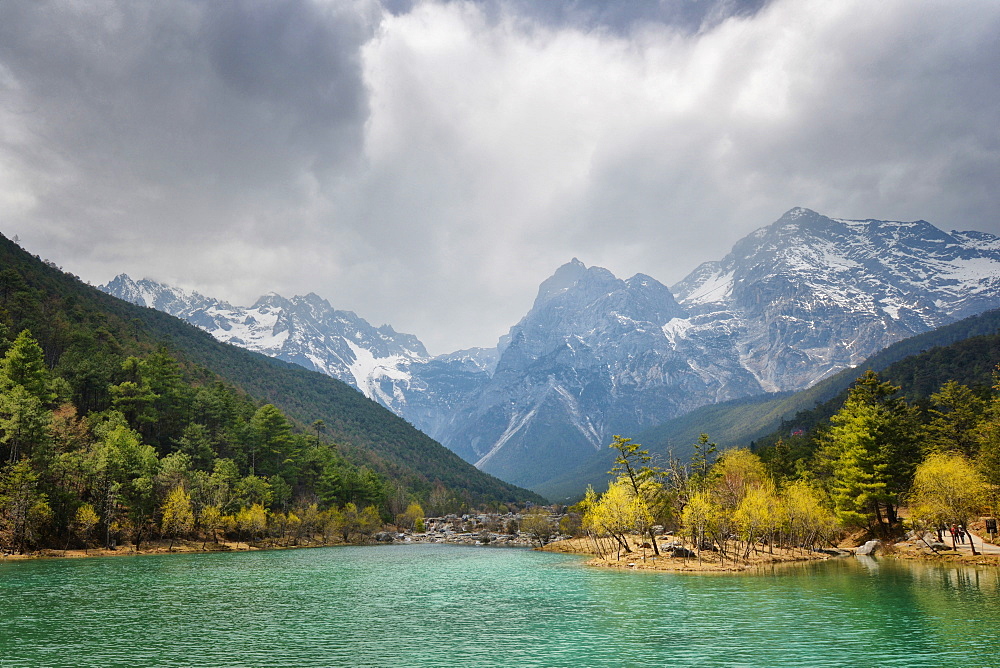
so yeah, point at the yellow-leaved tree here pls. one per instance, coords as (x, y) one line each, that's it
(805, 519)
(947, 489)
(211, 520)
(84, 521)
(617, 513)
(178, 517)
(412, 517)
(701, 517)
(756, 516)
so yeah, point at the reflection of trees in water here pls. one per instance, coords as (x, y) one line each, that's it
(960, 604)
(957, 578)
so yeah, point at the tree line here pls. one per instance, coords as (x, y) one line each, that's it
(125, 449)
(939, 458)
(86, 336)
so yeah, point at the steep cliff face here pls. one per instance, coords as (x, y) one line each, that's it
(595, 356)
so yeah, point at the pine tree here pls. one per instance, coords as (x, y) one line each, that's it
(860, 484)
(23, 507)
(875, 451)
(702, 460)
(24, 423)
(955, 417)
(24, 366)
(272, 440)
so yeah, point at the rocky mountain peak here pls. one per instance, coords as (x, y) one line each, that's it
(809, 294)
(271, 300)
(562, 280)
(574, 285)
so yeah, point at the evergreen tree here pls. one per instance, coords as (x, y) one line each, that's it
(955, 416)
(23, 365)
(24, 510)
(125, 468)
(780, 463)
(702, 460)
(988, 446)
(196, 443)
(24, 423)
(860, 486)
(874, 451)
(272, 440)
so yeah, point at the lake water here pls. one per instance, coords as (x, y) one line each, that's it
(432, 605)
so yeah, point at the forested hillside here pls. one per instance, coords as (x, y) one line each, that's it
(111, 410)
(921, 378)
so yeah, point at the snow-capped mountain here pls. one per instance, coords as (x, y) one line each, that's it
(791, 303)
(809, 295)
(598, 355)
(388, 366)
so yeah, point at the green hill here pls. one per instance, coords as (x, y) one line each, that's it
(85, 333)
(966, 351)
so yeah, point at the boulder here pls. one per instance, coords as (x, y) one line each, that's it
(868, 548)
(682, 553)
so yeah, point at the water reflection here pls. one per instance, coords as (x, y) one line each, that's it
(868, 563)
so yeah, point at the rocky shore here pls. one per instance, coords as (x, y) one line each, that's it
(487, 540)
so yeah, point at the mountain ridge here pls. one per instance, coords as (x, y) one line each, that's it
(792, 303)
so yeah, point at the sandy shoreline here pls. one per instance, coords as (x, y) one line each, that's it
(644, 559)
(160, 547)
(640, 559)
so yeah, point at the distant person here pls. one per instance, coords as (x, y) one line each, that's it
(961, 534)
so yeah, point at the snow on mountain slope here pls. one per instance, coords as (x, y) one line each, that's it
(387, 366)
(809, 295)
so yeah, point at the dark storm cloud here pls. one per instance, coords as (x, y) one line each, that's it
(185, 111)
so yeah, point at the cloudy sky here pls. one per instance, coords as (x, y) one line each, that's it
(429, 163)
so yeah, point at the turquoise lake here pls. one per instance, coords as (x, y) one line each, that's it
(432, 605)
